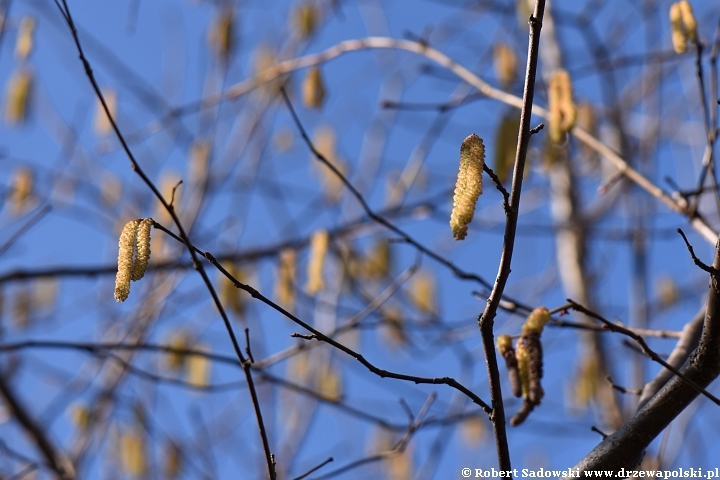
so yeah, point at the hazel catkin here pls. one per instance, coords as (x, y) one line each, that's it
(468, 186)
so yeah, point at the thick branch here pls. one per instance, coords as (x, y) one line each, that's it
(624, 448)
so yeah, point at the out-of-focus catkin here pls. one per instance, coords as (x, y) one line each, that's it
(318, 249)
(313, 89)
(221, 36)
(24, 41)
(305, 18)
(17, 96)
(688, 19)
(505, 64)
(679, 37)
(468, 186)
(560, 103)
(103, 126)
(285, 279)
(683, 25)
(21, 187)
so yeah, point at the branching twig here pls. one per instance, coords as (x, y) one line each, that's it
(703, 266)
(486, 320)
(65, 11)
(644, 346)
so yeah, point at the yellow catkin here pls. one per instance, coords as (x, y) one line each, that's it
(197, 367)
(313, 89)
(587, 120)
(586, 381)
(560, 103)
(400, 465)
(142, 252)
(688, 19)
(103, 126)
(474, 431)
(324, 141)
(285, 279)
(468, 186)
(422, 292)
(80, 415)
(305, 18)
(395, 331)
(178, 340)
(318, 249)
(505, 146)
(125, 260)
(199, 161)
(221, 36)
(231, 296)
(377, 264)
(21, 186)
(505, 62)
(679, 36)
(17, 96)
(329, 384)
(24, 42)
(667, 292)
(132, 452)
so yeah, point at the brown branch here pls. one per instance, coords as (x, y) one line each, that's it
(487, 319)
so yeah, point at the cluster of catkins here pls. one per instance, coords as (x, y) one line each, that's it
(525, 363)
(683, 24)
(133, 255)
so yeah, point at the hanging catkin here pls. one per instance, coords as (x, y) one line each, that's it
(133, 255)
(142, 254)
(318, 248)
(560, 103)
(125, 260)
(468, 186)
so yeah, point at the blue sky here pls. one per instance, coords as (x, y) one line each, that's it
(155, 54)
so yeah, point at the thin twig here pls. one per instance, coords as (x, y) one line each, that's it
(65, 11)
(696, 260)
(314, 469)
(645, 348)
